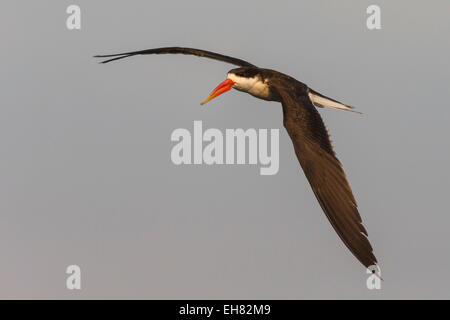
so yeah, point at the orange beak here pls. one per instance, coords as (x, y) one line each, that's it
(221, 88)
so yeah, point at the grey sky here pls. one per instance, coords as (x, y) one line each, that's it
(86, 176)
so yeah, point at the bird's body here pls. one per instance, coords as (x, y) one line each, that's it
(309, 136)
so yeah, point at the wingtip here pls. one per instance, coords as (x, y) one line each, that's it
(378, 275)
(98, 56)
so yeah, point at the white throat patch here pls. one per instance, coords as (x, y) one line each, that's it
(255, 86)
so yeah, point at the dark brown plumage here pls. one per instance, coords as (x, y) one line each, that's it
(323, 170)
(311, 142)
(178, 50)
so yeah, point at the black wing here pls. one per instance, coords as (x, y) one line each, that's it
(178, 50)
(324, 171)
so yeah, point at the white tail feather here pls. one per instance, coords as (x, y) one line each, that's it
(321, 101)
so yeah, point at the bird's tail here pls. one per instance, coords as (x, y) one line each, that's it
(321, 101)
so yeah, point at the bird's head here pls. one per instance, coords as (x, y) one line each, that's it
(246, 79)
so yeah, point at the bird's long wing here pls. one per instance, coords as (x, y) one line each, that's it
(178, 50)
(324, 172)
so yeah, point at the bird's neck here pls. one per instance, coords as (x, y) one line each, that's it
(256, 86)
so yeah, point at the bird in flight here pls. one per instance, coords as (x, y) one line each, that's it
(309, 135)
